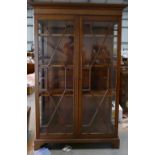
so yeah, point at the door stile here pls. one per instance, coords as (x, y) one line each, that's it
(76, 77)
(118, 74)
(80, 108)
(37, 109)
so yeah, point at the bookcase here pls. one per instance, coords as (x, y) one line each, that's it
(77, 71)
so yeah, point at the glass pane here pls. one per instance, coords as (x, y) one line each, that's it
(97, 116)
(43, 79)
(54, 114)
(99, 59)
(56, 63)
(60, 78)
(56, 42)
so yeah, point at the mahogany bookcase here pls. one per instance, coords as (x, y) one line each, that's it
(77, 72)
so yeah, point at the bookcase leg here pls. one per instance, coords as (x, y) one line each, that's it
(116, 144)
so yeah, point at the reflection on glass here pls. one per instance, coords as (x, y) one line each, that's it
(99, 58)
(56, 53)
(54, 114)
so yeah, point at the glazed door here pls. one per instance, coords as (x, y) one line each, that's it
(56, 75)
(98, 70)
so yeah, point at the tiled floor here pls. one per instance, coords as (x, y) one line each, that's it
(123, 134)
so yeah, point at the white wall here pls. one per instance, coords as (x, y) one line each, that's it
(125, 29)
(30, 28)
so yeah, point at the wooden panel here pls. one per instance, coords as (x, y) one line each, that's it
(77, 12)
(78, 9)
(124, 88)
(37, 110)
(118, 75)
(79, 5)
(115, 141)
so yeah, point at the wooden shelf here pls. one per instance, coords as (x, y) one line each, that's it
(99, 65)
(98, 35)
(56, 92)
(54, 35)
(56, 129)
(71, 66)
(97, 93)
(57, 65)
(67, 35)
(59, 92)
(105, 127)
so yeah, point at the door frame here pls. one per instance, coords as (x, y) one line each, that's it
(78, 41)
(39, 135)
(100, 18)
